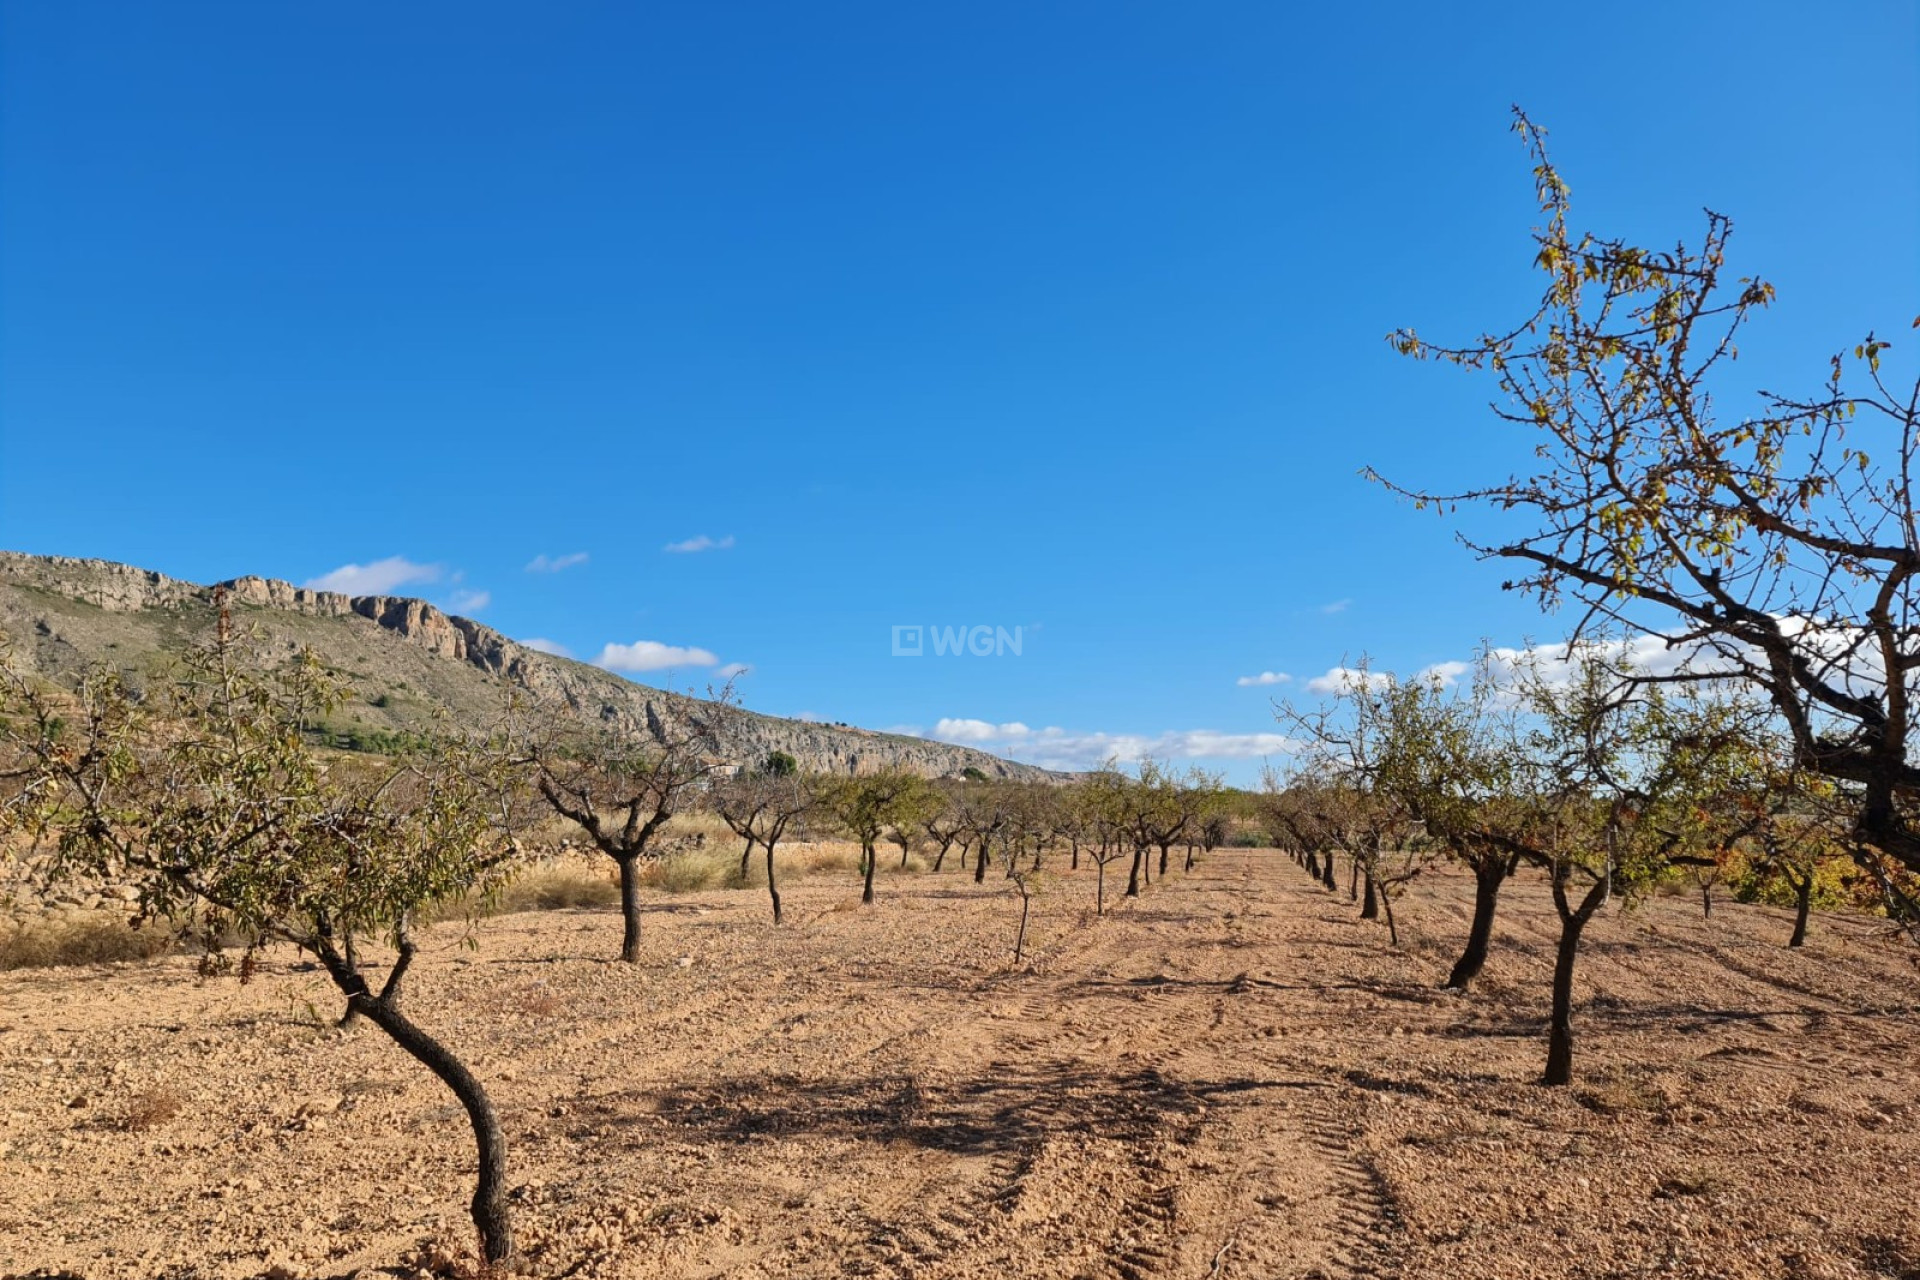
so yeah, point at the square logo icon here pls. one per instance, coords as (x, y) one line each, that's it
(908, 641)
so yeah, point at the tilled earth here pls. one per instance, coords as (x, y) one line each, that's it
(1232, 1076)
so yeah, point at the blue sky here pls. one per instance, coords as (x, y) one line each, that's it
(1058, 317)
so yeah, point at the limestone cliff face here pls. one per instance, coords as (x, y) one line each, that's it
(118, 588)
(423, 658)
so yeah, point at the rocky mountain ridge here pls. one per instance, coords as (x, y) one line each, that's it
(407, 660)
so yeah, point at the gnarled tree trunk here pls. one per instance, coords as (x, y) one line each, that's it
(771, 891)
(492, 1217)
(1488, 877)
(630, 909)
(1802, 908)
(1560, 1028)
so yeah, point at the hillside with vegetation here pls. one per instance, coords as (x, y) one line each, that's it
(409, 665)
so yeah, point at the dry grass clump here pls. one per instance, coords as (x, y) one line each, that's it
(549, 888)
(559, 889)
(102, 938)
(692, 870)
(698, 822)
(150, 1110)
(828, 855)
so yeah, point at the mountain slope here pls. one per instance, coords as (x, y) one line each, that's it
(407, 662)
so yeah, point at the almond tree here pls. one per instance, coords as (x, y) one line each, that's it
(1204, 800)
(945, 824)
(983, 813)
(1292, 809)
(1614, 771)
(760, 807)
(205, 794)
(1030, 821)
(1352, 749)
(1450, 757)
(867, 805)
(1791, 825)
(1776, 542)
(1156, 816)
(1103, 806)
(622, 793)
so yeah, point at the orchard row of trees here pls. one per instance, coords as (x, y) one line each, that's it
(213, 794)
(1762, 564)
(1573, 762)
(1102, 817)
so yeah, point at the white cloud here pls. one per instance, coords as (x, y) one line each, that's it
(374, 579)
(1553, 665)
(1057, 748)
(1265, 677)
(554, 647)
(950, 730)
(544, 563)
(1340, 680)
(1338, 606)
(651, 655)
(733, 669)
(700, 543)
(468, 602)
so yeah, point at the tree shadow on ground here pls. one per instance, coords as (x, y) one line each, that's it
(1009, 1106)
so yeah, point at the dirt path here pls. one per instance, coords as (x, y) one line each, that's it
(1231, 1077)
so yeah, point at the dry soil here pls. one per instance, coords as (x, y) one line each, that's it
(1233, 1076)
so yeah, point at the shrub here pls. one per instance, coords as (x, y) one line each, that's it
(693, 870)
(89, 939)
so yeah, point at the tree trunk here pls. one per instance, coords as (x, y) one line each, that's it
(1706, 902)
(491, 1215)
(1163, 862)
(1189, 865)
(1393, 929)
(1560, 1030)
(771, 891)
(1326, 873)
(1020, 943)
(1370, 910)
(1802, 907)
(1487, 879)
(1313, 865)
(1075, 864)
(1353, 882)
(746, 859)
(903, 857)
(940, 858)
(866, 850)
(1100, 889)
(351, 1018)
(630, 909)
(980, 861)
(1133, 876)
